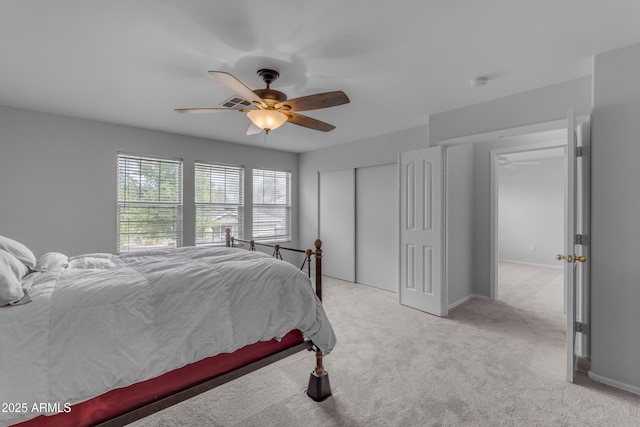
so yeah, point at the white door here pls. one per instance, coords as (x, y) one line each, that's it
(337, 223)
(376, 223)
(576, 269)
(421, 231)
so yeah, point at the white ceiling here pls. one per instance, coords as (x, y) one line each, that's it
(133, 61)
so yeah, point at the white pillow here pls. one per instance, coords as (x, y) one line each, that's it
(12, 270)
(52, 261)
(18, 250)
(91, 262)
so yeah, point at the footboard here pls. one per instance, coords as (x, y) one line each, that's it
(309, 254)
(319, 386)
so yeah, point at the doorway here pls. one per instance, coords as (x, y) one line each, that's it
(477, 236)
(471, 207)
(530, 232)
(529, 204)
(483, 240)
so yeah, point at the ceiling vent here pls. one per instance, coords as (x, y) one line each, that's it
(236, 102)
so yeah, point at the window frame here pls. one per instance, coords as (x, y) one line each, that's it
(237, 229)
(276, 203)
(127, 205)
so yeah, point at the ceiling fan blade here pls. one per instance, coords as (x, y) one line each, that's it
(315, 102)
(308, 122)
(253, 129)
(210, 110)
(236, 86)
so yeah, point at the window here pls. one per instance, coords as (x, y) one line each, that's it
(219, 201)
(149, 202)
(271, 205)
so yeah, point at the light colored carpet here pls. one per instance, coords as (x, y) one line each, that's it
(488, 364)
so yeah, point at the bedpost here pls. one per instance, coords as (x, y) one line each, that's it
(319, 387)
(318, 245)
(228, 236)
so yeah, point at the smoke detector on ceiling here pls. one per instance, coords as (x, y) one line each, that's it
(479, 81)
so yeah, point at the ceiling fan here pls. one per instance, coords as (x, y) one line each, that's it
(268, 109)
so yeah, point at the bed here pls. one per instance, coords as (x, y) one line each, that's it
(103, 338)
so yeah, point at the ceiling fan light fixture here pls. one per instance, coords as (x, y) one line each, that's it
(267, 119)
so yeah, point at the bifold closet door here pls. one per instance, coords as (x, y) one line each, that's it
(337, 223)
(377, 226)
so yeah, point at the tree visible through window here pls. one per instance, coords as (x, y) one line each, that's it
(149, 202)
(271, 205)
(219, 201)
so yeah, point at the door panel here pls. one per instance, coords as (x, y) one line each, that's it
(421, 240)
(427, 260)
(570, 230)
(583, 225)
(576, 269)
(376, 221)
(337, 223)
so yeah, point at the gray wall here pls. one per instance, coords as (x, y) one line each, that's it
(531, 212)
(615, 275)
(460, 217)
(58, 177)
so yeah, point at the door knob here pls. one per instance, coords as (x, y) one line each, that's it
(573, 258)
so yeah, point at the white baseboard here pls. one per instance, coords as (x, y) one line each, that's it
(614, 383)
(559, 265)
(467, 298)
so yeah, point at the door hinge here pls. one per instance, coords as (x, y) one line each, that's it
(578, 151)
(582, 328)
(579, 239)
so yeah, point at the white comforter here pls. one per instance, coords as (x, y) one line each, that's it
(108, 321)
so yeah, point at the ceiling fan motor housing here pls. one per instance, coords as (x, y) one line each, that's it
(268, 95)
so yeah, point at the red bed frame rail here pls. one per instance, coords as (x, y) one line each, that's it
(154, 394)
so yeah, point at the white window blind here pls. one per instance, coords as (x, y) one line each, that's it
(219, 201)
(149, 202)
(271, 205)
